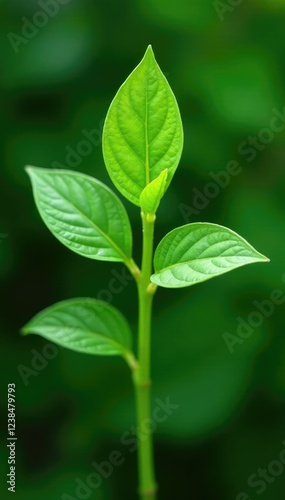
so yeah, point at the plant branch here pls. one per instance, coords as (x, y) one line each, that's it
(134, 269)
(142, 381)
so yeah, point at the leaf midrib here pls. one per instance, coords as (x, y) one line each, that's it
(103, 338)
(147, 171)
(113, 244)
(188, 262)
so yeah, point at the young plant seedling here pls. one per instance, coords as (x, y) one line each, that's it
(142, 146)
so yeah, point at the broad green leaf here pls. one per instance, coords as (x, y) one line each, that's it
(84, 325)
(197, 252)
(82, 213)
(143, 131)
(153, 192)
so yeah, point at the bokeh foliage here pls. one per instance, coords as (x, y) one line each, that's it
(229, 78)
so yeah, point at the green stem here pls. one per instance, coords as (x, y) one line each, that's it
(142, 382)
(133, 268)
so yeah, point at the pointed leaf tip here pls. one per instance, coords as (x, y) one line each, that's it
(149, 50)
(197, 252)
(28, 169)
(84, 325)
(143, 131)
(83, 214)
(151, 195)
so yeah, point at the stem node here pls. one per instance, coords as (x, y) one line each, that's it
(141, 377)
(149, 493)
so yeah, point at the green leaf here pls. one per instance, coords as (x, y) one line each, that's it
(84, 325)
(143, 132)
(197, 252)
(82, 213)
(153, 192)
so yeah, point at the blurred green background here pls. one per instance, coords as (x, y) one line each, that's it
(62, 63)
